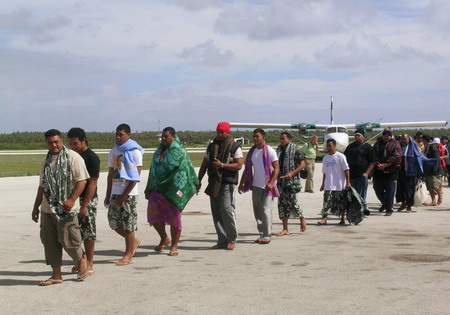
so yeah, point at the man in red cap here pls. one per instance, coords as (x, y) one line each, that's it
(222, 161)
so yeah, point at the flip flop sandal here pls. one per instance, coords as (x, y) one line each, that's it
(50, 281)
(124, 262)
(83, 274)
(159, 248)
(173, 253)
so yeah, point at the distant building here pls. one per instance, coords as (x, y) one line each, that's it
(242, 140)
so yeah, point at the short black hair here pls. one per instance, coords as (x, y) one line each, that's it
(124, 127)
(259, 130)
(288, 135)
(170, 130)
(52, 133)
(77, 132)
(418, 134)
(427, 138)
(332, 141)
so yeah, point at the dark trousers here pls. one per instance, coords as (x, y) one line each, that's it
(385, 191)
(405, 189)
(360, 184)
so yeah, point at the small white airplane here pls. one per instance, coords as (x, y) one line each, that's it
(339, 132)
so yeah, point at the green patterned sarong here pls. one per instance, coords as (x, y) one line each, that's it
(172, 174)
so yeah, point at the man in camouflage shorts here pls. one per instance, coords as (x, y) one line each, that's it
(124, 168)
(88, 198)
(125, 216)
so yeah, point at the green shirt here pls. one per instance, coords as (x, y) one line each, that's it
(309, 151)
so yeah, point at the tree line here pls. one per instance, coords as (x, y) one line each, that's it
(150, 139)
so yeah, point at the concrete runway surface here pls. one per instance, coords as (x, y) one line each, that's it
(385, 265)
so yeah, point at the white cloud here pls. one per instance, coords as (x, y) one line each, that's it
(363, 50)
(287, 19)
(193, 63)
(208, 54)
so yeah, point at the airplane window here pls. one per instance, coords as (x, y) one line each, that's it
(331, 129)
(342, 129)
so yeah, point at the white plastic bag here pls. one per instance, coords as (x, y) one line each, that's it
(421, 195)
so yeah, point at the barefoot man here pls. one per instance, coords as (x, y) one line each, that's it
(335, 182)
(291, 162)
(125, 164)
(88, 198)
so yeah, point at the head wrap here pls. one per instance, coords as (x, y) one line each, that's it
(360, 131)
(436, 140)
(223, 127)
(387, 132)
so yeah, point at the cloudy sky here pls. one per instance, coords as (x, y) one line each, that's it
(192, 63)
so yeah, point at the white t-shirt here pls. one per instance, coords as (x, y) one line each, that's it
(237, 155)
(334, 167)
(115, 161)
(259, 175)
(79, 173)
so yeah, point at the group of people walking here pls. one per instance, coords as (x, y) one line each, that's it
(66, 199)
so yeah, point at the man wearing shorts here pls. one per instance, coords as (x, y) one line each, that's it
(124, 168)
(88, 198)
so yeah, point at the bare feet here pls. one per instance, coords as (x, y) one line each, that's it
(218, 246)
(322, 222)
(284, 232)
(431, 204)
(439, 201)
(302, 225)
(402, 207)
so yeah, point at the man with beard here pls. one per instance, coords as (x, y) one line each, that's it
(223, 159)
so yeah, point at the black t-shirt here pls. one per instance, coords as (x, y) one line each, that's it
(93, 166)
(359, 156)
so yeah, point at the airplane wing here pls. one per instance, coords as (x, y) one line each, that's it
(298, 126)
(441, 123)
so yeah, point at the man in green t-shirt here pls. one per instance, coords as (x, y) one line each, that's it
(310, 151)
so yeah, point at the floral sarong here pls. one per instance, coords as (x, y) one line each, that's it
(289, 159)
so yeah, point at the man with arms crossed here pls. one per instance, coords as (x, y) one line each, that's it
(88, 198)
(62, 179)
(124, 168)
